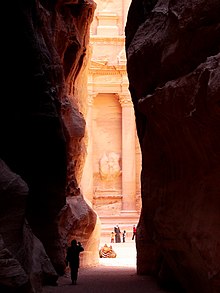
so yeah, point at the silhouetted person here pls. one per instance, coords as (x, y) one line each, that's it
(123, 236)
(134, 232)
(72, 258)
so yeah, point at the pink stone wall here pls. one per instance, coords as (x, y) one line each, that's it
(106, 125)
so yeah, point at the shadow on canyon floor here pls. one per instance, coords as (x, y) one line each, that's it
(112, 275)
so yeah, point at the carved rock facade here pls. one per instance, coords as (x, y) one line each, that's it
(111, 177)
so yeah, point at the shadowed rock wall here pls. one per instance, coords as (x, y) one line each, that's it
(173, 65)
(41, 130)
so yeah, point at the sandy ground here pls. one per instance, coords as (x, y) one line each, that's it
(112, 275)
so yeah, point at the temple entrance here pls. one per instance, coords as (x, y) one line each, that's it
(111, 178)
(107, 149)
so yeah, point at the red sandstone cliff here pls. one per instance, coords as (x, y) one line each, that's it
(173, 65)
(41, 131)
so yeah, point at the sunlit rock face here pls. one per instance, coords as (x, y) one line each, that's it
(173, 65)
(42, 129)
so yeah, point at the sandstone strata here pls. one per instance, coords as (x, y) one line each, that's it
(174, 78)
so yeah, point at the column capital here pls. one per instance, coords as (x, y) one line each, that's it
(125, 100)
(90, 98)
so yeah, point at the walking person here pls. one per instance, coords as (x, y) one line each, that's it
(72, 258)
(134, 232)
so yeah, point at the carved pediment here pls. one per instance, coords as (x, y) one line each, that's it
(99, 64)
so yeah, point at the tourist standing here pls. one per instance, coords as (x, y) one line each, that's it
(117, 234)
(123, 236)
(72, 258)
(134, 232)
(112, 237)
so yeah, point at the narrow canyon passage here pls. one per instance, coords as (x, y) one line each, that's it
(111, 275)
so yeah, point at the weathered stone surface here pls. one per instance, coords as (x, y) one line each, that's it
(174, 73)
(23, 259)
(41, 127)
(79, 221)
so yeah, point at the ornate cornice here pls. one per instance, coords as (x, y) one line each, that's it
(103, 65)
(94, 39)
(107, 72)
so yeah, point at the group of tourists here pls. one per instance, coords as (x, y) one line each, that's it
(116, 234)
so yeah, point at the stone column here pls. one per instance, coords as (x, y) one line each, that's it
(87, 177)
(128, 154)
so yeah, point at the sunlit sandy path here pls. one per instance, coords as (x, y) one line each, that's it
(110, 276)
